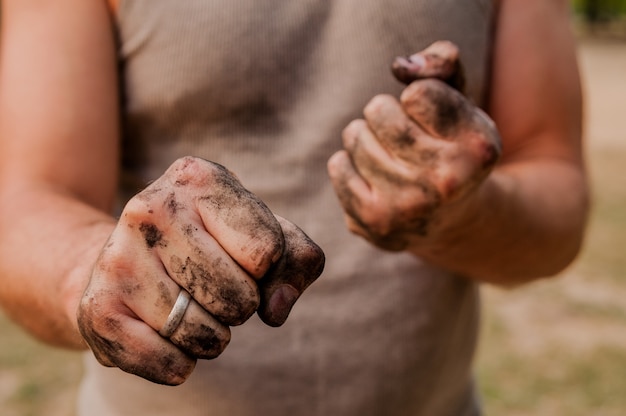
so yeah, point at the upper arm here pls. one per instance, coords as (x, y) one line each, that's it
(59, 107)
(535, 96)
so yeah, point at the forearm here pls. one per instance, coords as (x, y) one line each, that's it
(59, 156)
(526, 222)
(48, 244)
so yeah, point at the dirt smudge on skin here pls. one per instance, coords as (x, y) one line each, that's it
(189, 230)
(164, 299)
(151, 234)
(106, 349)
(448, 109)
(245, 214)
(405, 139)
(172, 205)
(212, 284)
(200, 340)
(429, 157)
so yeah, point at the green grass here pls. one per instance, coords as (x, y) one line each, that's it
(605, 7)
(557, 382)
(33, 376)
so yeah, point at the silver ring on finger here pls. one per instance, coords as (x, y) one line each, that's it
(176, 314)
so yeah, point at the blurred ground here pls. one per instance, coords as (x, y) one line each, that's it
(556, 347)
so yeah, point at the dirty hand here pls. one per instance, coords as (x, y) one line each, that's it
(410, 167)
(196, 230)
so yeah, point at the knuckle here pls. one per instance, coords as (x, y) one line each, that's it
(186, 166)
(377, 105)
(438, 106)
(415, 91)
(236, 306)
(266, 250)
(195, 171)
(205, 339)
(137, 209)
(448, 186)
(444, 49)
(353, 129)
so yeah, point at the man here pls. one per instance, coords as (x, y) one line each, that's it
(264, 92)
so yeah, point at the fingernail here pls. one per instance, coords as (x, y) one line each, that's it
(417, 61)
(408, 69)
(281, 302)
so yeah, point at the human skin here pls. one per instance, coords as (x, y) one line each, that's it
(522, 219)
(77, 277)
(197, 228)
(419, 173)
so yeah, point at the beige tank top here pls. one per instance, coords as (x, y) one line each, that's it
(265, 87)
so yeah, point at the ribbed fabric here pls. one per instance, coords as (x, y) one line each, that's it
(265, 88)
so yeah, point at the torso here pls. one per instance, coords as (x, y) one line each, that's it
(265, 88)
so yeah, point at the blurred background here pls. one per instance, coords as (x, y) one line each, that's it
(555, 347)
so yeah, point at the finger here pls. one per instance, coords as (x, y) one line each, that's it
(440, 60)
(392, 126)
(182, 250)
(240, 221)
(200, 265)
(350, 188)
(149, 294)
(366, 151)
(199, 334)
(119, 340)
(353, 192)
(440, 110)
(300, 265)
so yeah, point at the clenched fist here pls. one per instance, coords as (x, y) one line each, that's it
(409, 167)
(191, 255)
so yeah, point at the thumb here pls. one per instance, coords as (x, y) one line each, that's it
(440, 60)
(300, 265)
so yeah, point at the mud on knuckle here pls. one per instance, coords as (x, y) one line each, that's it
(236, 306)
(201, 340)
(433, 102)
